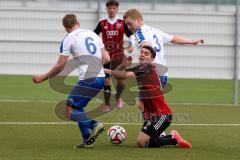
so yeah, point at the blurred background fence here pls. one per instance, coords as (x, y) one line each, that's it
(31, 31)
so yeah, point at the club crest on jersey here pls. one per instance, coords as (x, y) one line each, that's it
(119, 25)
(105, 27)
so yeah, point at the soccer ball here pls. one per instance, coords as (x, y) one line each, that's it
(116, 134)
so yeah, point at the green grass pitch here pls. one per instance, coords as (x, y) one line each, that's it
(202, 115)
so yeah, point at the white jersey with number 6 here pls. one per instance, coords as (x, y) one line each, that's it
(85, 46)
(156, 38)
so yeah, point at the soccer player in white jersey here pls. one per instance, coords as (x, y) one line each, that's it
(146, 35)
(81, 43)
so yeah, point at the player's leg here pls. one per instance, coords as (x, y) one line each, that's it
(116, 61)
(107, 90)
(161, 124)
(79, 97)
(119, 90)
(85, 124)
(152, 129)
(142, 139)
(74, 115)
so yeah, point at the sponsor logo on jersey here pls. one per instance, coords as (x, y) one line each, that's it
(112, 33)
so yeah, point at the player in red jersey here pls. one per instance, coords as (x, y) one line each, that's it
(113, 30)
(156, 112)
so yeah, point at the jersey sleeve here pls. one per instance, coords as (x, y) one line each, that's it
(98, 28)
(127, 31)
(139, 72)
(141, 37)
(65, 47)
(167, 38)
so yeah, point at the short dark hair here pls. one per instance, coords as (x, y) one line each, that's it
(69, 20)
(112, 3)
(152, 51)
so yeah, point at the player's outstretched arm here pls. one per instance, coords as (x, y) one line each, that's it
(120, 74)
(57, 68)
(125, 63)
(183, 40)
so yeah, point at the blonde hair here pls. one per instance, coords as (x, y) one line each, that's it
(132, 13)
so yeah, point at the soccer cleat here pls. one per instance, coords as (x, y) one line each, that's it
(176, 135)
(106, 108)
(119, 103)
(83, 145)
(95, 132)
(181, 143)
(184, 144)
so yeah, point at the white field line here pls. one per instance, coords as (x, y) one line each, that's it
(38, 101)
(27, 101)
(98, 101)
(71, 123)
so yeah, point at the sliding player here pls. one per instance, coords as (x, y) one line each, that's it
(156, 112)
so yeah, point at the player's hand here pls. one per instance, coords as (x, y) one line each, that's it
(127, 61)
(107, 71)
(195, 42)
(130, 49)
(37, 79)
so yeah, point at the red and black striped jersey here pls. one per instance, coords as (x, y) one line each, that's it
(150, 91)
(112, 35)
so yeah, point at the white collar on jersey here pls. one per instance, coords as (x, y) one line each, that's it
(143, 26)
(112, 20)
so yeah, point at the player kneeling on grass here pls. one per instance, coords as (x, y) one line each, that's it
(81, 43)
(157, 114)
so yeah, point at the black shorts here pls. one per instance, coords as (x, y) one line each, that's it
(112, 65)
(156, 126)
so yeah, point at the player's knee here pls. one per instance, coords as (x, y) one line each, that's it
(67, 111)
(107, 82)
(141, 142)
(121, 82)
(107, 88)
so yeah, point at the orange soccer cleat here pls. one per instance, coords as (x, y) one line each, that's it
(181, 143)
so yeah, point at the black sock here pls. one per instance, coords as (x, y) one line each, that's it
(107, 94)
(158, 142)
(167, 136)
(119, 89)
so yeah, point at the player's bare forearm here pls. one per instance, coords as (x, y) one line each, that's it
(125, 63)
(119, 74)
(183, 40)
(56, 69)
(121, 67)
(51, 73)
(116, 74)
